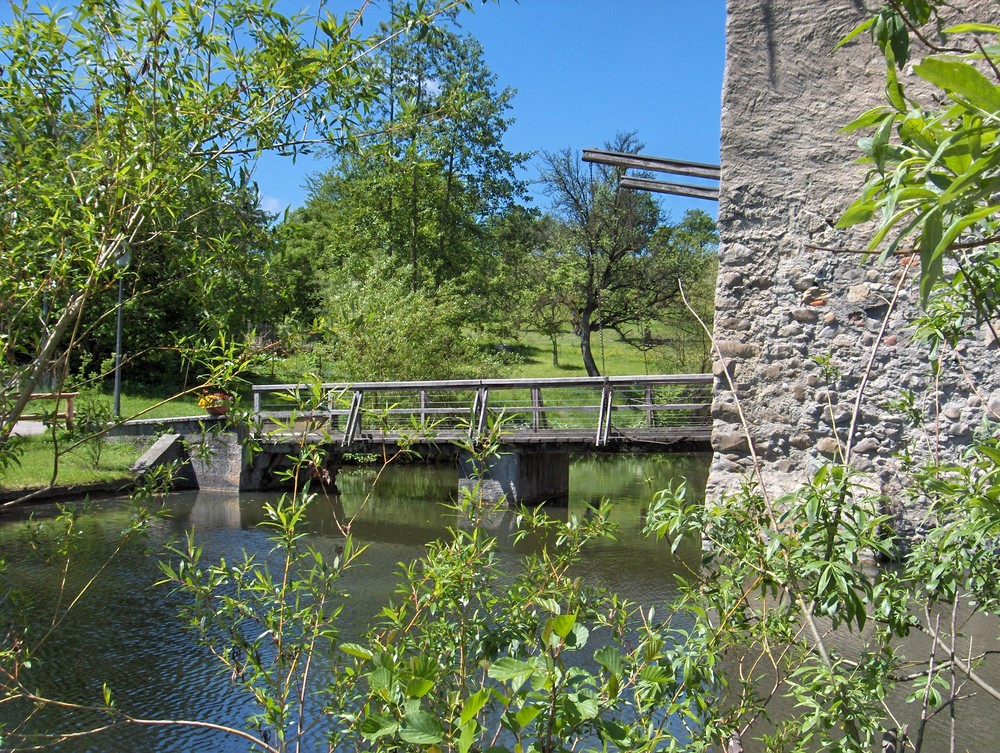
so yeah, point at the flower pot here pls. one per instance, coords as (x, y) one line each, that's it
(217, 410)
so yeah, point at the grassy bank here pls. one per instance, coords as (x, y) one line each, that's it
(83, 465)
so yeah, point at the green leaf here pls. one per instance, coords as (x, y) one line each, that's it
(868, 119)
(509, 668)
(473, 705)
(859, 29)
(355, 650)
(973, 28)
(961, 79)
(611, 659)
(578, 636)
(526, 715)
(862, 210)
(375, 726)
(421, 728)
(893, 89)
(418, 687)
(562, 624)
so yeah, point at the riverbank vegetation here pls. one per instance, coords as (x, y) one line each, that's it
(420, 215)
(89, 463)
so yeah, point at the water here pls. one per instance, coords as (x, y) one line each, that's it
(126, 631)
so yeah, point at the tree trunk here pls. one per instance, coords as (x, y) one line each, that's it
(588, 356)
(555, 351)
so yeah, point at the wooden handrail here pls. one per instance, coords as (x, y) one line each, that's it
(496, 384)
(483, 395)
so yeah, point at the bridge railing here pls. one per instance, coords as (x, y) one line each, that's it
(575, 408)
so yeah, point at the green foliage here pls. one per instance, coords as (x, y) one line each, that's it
(932, 184)
(787, 594)
(131, 127)
(378, 329)
(781, 577)
(94, 413)
(472, 657)
(424, 187)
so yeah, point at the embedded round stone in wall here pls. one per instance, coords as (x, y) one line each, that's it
(730, 280)
(720, 367)
(867, 446)
(735, 323)
(727, 441)
(809, 314)
(735, 348)
(952, 411)
(828, 446)
(857, 293)
(959, 430)
(801, 441)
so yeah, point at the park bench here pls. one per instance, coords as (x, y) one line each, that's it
(60, 398)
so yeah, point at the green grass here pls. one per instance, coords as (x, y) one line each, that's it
(74, 468)
(613, 357)
(131, 403)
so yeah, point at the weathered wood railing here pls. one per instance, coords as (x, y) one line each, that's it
(596, 410)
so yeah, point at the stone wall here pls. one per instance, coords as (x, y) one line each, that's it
(797, 325)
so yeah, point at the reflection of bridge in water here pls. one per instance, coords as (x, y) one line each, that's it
(538, 423)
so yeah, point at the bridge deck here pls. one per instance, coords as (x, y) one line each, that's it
(660, 413)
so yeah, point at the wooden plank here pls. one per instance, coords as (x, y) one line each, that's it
(676, 189)
(496, 384)
(653, 164)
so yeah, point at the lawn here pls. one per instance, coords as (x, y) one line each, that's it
(613, 357)
(83, 465)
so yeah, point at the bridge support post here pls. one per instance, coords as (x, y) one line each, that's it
(519, 477)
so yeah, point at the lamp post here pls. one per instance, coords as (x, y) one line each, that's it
(123, 260)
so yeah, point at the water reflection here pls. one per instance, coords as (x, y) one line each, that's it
(127, 633)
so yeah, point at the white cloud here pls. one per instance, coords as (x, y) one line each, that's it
(272, 205)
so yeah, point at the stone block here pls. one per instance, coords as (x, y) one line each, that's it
(857, 293)
(805, 314)
(867, 446)
(829, 446)
(737, 349)
(729, 441)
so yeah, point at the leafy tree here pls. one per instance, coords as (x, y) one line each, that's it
(428, 182)
(124, 124)
(168, 296)
(621, 272)
(377, 329)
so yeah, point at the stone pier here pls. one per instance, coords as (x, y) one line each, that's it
(519, 477)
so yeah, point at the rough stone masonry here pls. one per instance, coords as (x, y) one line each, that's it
(796, 325)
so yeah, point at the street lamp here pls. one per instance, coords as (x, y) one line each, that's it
(123, 260)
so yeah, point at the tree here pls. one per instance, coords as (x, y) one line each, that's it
(167, 298)
(431, 173)
(622, 274)
(125, 124)
(377, 329)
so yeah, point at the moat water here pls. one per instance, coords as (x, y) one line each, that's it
(126, 631)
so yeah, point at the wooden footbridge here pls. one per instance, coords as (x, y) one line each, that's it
(538, 423)
(579, 414)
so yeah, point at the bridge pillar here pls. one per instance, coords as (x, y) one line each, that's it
(519, 476)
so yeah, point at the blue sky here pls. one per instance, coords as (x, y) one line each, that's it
(583, 70)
